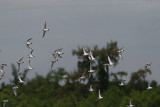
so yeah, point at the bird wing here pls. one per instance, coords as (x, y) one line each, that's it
(109, 60)
(29, 39)
(31, 51)
(45, 25)
(44, 32)
(15, 93)
(21, 59)
(52, 64)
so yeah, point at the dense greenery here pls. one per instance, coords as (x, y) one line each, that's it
(53, 91)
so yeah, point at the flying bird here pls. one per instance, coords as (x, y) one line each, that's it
(30, 55)
(130, 103)
(2, 76)
(14, 90)
(149, 87)
(90, 56)
(84, 52)
(54, 60)
(122, 83)
(120, 53)
(99, 95)
(59, 52)
(90, 88)
(147, 65)
(4, 102)
(90, 69)
(110, 62)
(19, 79)
(65, 76)
(45, 29)
(19, 63)
(28, 43)
(29, 65)
(82, 77)
(2, 66)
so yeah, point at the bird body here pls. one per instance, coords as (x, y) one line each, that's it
(99, 95)
(122, 83)
(14, 90)
(130, 103)
(20, 80)
(28, 43)
(84, 52)
(90, 88)
(45, 29)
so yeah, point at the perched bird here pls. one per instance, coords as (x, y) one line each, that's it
(99, 95)
(4, 102)
(2, 66)
(90, 56)
(120, 53)
(122, 83)
(84, 52)
(29, 65)
(20, 80)
(149, 87)
(130, 103)
(45, 29)
(90, 88)
(14, 90)
(19, 63)
(30, 55)
(28, 43)
(54, 60)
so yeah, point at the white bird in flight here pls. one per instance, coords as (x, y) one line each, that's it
(65, 76)
(20, 80)
(110, 62)
(45, 29)
(2, 66)
(147, 65)
(19, 63)
(30, 55)
(28, 43)
(120, 53)
(149, 87)
(29, 65)
(99, 95)
(130, 103)
(82, 77)
(54, 60)
(90, 69)
(90, 88)
(84, 52)
(90, 56)
(4, 102)
(14, 90)
(122, 83)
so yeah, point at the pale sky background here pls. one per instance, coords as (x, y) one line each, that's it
(135, 24)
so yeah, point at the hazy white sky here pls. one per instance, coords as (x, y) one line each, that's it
(134, 24)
